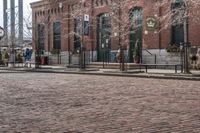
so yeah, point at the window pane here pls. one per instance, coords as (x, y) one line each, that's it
(177, 22)
(77, 31)
(41, 36)
(57, 35)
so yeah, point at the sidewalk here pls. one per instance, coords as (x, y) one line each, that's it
(152, 73)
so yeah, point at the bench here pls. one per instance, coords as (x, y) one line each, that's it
(29, 63)
(22, 64)
(146, 66)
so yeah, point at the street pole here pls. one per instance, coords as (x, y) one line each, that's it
(82, 38)
(185, 25)
(81, 51)
(69, 47)
(181, 56)
(122, 68)
(103, 56)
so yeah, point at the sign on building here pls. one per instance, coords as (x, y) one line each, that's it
(150, 23)
(86, 24)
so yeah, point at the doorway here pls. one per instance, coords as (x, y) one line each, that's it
(135, 49)
(103, 37)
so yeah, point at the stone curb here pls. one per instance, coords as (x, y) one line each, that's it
(119, 74)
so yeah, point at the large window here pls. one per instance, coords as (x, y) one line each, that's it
(177, 32)
(103, 37)
(77, 33)
(56, 35)
(136, 18)
(135, 34)
(41, 37)
(105, 22)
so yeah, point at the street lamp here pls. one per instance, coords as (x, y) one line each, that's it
(181, 56)
(84, 18)
(103, 47)
(186, 43)
(122, 65)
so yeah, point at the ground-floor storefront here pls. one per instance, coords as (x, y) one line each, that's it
(67, 36)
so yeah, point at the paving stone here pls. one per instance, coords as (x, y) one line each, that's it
(67, 103)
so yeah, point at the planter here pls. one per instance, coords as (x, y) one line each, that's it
(136, 59)
(173, 49)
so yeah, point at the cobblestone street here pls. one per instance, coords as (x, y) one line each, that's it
(67, 103)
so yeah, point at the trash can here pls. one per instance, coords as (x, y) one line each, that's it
(44, 60)
(38, 60)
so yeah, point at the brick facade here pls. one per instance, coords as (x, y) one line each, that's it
(48, 11)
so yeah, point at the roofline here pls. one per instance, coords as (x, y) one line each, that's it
(37, 3)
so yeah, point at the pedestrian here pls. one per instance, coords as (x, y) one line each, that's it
(5, 57)
(118, 55)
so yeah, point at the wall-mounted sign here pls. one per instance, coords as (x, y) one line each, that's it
(150, 23)
(2, 32)
(86, 17)
(86, 24)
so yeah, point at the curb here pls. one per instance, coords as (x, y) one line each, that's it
(118, 74)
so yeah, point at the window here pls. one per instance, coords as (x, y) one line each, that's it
(177, 29)
(77, 31)
(135, 48)
(56, 35)
(41, 37)
(136, 18)
(104, 37)
(106, 22)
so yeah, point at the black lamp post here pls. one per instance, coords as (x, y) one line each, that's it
(181, 56)
(103, 47)
(122, 66)
(82, 57)
(186, 43)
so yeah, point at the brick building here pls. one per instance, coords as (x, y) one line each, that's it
(99, 27)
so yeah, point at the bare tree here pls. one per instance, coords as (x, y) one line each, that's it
(181, 13)
(79, 15)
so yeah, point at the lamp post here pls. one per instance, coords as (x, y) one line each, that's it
(103, 47)
(84, 18)
(181, 56)
(122, 67)
(186, 43)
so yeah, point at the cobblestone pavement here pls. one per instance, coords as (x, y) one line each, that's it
(63, 103)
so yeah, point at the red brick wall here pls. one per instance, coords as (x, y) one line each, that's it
(194, 26)
(150, 40)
